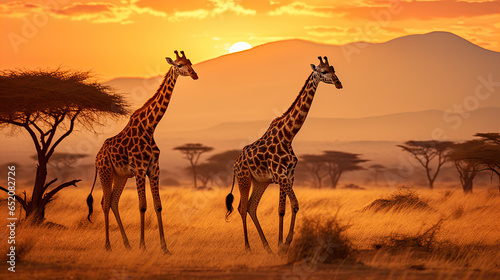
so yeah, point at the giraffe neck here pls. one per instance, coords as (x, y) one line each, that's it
(295, 116)
(153, 110)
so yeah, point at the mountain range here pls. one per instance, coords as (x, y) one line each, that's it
(434, 71)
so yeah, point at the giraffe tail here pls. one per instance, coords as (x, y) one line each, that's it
(90, 199)
(229, 202)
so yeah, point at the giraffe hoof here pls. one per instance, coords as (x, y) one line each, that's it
(108, 247)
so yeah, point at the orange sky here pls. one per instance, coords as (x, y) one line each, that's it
(131, 38)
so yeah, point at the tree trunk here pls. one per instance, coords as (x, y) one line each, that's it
(195, 176)
(318, 180)
(467, 179)
(335, 179)
(41, 177)
(467, 186)
(36, 208)
(429, 178)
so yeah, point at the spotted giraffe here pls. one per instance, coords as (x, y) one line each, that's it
(271, 159)
(134, 153)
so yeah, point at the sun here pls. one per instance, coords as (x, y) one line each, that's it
(240, 46)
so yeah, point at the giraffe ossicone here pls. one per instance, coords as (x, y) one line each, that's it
(271, 159)
(134, 153)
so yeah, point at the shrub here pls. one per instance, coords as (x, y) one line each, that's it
(320, 241)
(353, 187)
(425, 240)
(402, 198)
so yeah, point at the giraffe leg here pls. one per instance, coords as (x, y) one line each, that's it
(295, 208)
(281, 213)
(107, 185)
(244, 186)
(154, 174)
(141, 190)
(119, 184)
(258, 191)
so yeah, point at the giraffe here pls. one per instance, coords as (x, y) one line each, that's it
(134, 153)
(271, 159)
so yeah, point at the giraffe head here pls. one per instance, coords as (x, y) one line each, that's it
(182, 65)
(326, 73)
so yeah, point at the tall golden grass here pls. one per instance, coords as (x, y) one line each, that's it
(468, 237)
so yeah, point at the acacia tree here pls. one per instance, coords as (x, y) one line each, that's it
(474, 156)
(425, 152)
(317, 167)
(468, 166)
(49, 104)
(340, 162)
(192, 152)
(222, 166)
(492, 158)
(335, 163)
(490, 137)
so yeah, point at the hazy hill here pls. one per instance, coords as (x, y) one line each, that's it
(434, 71)
(394, 127)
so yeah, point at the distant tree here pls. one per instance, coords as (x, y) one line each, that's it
(475, 156)
(192, 152)
(491, 161)
(340, 162)
(425, 152)
(491, 137)
(378, 168)
(224, 166)
(204, 173)
(464, 156)
(316, 166)
(49, 104)
(217, 168)
(62, 163)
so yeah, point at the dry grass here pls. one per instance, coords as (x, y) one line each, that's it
(468, 240)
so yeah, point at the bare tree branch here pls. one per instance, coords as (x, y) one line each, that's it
(68, 132)
(18, 198)
(47, 197)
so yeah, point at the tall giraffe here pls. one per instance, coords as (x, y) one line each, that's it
(134, 153)
(271, 159)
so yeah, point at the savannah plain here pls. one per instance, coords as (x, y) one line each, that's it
(463, 245)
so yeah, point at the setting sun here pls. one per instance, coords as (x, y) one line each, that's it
(240, 46)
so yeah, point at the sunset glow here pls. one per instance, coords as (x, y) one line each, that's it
(130, 38)
(147, 139)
